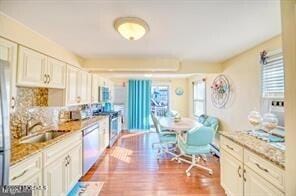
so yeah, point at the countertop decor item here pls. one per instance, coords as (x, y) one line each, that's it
(179, 91)
(255, 119)
(220, 91)
(270, 122)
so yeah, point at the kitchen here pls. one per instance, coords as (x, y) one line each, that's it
(55, 139)
(79, 116)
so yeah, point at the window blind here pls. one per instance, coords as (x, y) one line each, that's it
(273, 78)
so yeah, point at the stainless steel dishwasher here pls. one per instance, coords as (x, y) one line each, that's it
(90, 146)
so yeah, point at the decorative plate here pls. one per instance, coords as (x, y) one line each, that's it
(179, 91)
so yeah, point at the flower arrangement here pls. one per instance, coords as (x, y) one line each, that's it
(220, 87)
(220, 91)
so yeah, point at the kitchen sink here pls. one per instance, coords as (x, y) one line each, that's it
(43, 137)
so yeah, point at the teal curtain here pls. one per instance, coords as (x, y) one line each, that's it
(139, 96)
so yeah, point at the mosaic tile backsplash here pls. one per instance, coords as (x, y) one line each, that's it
(33, 103)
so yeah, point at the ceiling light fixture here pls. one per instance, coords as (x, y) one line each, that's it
(131, 28)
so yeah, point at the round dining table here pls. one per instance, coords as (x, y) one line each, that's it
(184, 124)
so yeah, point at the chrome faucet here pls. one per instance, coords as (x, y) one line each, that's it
(30, 124)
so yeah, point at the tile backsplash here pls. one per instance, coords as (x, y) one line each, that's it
(30, 97)
(33, 103)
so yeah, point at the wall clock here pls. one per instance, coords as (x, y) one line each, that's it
(179, 91)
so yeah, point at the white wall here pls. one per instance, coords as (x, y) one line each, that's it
(288, 9)
(177, 103)
(244, 73)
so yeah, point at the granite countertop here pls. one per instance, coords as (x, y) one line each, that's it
(260, 147)
(20, 151)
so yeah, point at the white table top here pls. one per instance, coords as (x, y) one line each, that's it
(184, 124)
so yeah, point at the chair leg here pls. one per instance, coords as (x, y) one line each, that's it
(176, 158)
(193, 163)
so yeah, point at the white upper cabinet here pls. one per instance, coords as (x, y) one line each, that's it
(32, 67)
(94, 88)
(57, 73)
(38, 70)
(8, 52)
(78, 88)
(88, 88)
(83, 87)
(72, 82)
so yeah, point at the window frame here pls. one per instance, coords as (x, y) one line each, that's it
(199, 100)
(265, 55)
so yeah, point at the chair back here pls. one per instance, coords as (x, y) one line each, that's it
(200, 136)
(212, 122)
(155, 123)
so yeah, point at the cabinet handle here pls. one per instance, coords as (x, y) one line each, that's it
(45, 78)
(12, 102)
(238, 171)
(229, 147)
(244, 177)
(259, 166)
(23, 173)
(49, 78)
(67, 161)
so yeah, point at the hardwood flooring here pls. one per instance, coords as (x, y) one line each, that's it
(130, 168)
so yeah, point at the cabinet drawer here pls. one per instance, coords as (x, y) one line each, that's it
(25, 169)
(52, 153)
(234, 149)
(266, 169)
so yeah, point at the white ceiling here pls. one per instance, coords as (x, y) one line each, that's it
(204, 30)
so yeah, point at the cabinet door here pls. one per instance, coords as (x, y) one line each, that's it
(106, 135)
(55, 177)
(8, 52)
(75, 166)
(88, 97)
(256, 185)
(72, 82)
(83, 87)
(102, 141)
(31, 68)
(57, 73)
(36, 181)
(231, 174)
(94, 88)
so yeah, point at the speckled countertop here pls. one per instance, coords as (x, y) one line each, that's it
(260, 147)
(20, 151)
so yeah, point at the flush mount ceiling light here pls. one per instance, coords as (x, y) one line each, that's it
(131, 28)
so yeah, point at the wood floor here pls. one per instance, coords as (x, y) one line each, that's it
(130, 168)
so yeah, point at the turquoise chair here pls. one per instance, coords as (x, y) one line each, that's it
(212, 122)
(195, 145)
(166, 138)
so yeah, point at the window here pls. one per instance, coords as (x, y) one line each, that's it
(199, 97)
(272, 74)
(160, 99)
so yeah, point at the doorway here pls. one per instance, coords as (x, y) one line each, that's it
(160, 99)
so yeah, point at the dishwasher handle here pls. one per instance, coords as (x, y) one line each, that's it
(90, 129)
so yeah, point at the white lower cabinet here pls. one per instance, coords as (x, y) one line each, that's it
(247, 174)
(255, 185)
(75, 166)
(231, 174)
(63, 173)
(58, 168)
(28, 172)
(54, 177)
